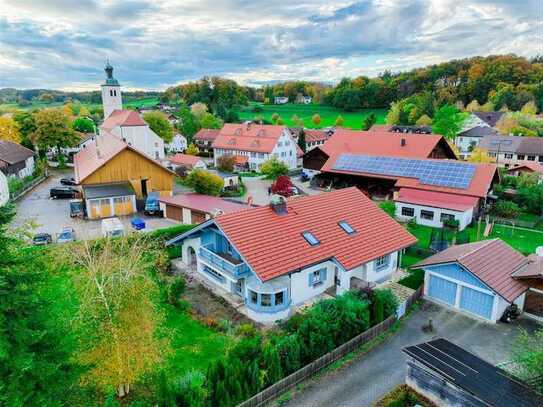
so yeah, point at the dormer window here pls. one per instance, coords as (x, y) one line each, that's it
(346, 227)
(310, 238)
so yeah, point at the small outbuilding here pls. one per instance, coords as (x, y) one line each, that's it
(190, 162)
(105, 200)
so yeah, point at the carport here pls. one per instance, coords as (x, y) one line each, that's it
(106, 200)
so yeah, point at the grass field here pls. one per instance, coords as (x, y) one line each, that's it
(328, 114)
(144, 102)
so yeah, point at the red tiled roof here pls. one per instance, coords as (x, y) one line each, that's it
(254, 137)
(185, 159)
(380, 128)
(273, 244)
(531, 166)
(315, 135)
(203, 203)
(491, 261)
(123, 118)
(437, 199)
(533, 268)
(206, 134)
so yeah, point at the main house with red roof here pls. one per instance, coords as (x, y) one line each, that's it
(126, 125)
(483, 278)
(276, 258)
(256, 143)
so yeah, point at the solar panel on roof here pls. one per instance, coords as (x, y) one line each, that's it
(440, 173)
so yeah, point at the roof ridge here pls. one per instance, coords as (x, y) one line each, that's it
(485, 243)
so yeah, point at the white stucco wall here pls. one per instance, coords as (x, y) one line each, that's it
(464, 218)
(301, 290)
(463, 143)
(143, 139)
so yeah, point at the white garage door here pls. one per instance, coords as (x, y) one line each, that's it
(441, 289)
(476, 302)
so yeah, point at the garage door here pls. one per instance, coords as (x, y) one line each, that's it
(175, 213)
(442, 290)
(476, 302)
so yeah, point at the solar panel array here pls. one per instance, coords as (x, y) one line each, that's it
(448, 174)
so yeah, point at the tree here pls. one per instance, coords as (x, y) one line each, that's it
(447, 121)
(117, 316)
(369, 122)
(473, 106)
(52, 129)
(280, 122)
(209, 121)
(316, 120)
(273, 168)
(529, 109)
(528, 355)
(226, 163)
(198, 110)
(479, 155)
(424, 120)
(83, 125)
(9, 130)
(205, 182)
(159, 123)
(487, 107)
(192, 150)
(187, 124)
(393, 115)
(339, 121)
(301, 141)
(282, 186)
(275, 117)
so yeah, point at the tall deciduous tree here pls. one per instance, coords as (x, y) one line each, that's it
(159, 123)
(198, 110)
(9, 130)
(479, 155)
(83, 125)
(52, 129)
(188, 124)
(448, 121)
(209, 121)
(301, 141)
(118, 318)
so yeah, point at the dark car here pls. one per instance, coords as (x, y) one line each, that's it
(63, 193)
(68, 181)
(42, 239)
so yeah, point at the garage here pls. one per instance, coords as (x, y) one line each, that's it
(476, 302)
(174, 213)
(106, 200)
(442, 290)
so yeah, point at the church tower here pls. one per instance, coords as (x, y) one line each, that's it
(111, 93)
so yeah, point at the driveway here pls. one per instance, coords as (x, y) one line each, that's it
(368, 378)
(257, 188)
(51, 215)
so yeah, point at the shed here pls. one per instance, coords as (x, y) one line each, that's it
(105, 200)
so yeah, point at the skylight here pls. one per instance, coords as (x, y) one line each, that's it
(346, 227)
(310, 238)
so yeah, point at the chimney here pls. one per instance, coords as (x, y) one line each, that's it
(403, 142)
(279, 204)
(250, 200)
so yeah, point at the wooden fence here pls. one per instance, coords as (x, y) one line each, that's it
(276, 389)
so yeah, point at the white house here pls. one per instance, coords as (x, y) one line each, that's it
(280, 100)
(126, 125)
(257, 142)
(178, 144)
(279, 257)
(190, 162)
(477, 278)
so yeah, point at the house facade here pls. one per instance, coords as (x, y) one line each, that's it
(257, 142)
(190, 162)
(510, 151)
(16, 160)
(467, 140)
(204, 140)
(294, 257)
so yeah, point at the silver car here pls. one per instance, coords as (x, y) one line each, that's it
(66, 235)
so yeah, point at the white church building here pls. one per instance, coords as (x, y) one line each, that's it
(126, 124)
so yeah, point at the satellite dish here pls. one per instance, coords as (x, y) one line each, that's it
(4, 189)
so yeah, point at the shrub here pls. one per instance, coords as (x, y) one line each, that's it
(389, 207)
(205, 182)
(282, 186)
(387, 304)
(246, 330)
(226, 163)
(273, 168)
(414, 280)
(175, 289)
(506, 209)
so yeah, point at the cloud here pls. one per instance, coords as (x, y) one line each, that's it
(64, 43)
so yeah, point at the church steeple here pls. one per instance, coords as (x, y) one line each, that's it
(110, 80)
(111, 92)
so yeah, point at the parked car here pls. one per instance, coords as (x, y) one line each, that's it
(77, 209)
(66, 235)
(42, 239)
(68, 181)
(63, 193)
(152, 206)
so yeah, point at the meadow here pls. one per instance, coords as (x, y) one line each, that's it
(328, 114)
(135, 103)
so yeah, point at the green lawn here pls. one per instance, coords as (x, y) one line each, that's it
(328, 114)
(143, 102)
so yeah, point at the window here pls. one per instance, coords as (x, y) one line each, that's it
(346, 227)
(509, 156)
(520, 156)
(540, 158)
(287, 143)
(317, 277)
(253, 297)
(428, 215)
(382, 262)
(279, 298)
(492, 154)
(408, 211)
(291, 153)
(261, 155)
(283, 153)
(216, 275)
(446, 216)
(110, 92)
(253, 154)
(531, 158)
(310, 238)
(157, 155)
(280, 144)
(265, 300)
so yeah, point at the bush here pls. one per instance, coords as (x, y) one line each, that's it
(175, 289)
(388, 304)
(389, 207)
(273, 168)
(226, 163)
(414, 280)
(506, 209)
(205, 182)
(282, 186)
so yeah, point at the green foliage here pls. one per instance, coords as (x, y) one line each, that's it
(271, 364)
(506, 209)
(384, 304)
(414, 280)
(205, 182)
(289, 349)
(83, 125)
(448, 121)
(186, 391)
(369, 122)
(188, 124)
(52, 129)
(389, 207)
(528, 355)
(209, 121)
(273, 168)
(301, 141)
(159, 123)
(175, 289)
(226, 162)
(192, 149)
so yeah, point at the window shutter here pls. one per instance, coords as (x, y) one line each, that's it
(323, 274)
(310, 279)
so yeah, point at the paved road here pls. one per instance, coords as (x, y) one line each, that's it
(370, 377)
(257, 188)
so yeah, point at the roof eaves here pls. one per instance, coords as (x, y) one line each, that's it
(182, 236)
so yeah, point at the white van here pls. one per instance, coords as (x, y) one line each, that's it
(112, 227)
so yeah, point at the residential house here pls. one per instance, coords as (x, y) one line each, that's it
(280, 100)
(480, 279)
(257, 142)
(16, 160)
(4, 189)
(485, 119)
(282, 256)
(449, 375)
(204, 140)
(192, 208)
(526, 168)
(303, 99)
(190, 162)
(510, 151)
(178, 144)
(314, 138)
(469, 139)
(112, 175)
(126, 125)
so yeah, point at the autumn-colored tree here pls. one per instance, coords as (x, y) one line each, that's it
(282, 186)
(340, 121)
(53, 129)
(529, 109)
(192, 150)
(424, 120)
(198, 110)
(226, 163)
(9, 130)
(473, 106)
(393, 115)
(280, 122)
(487, 107)
(118, 317)
(479, 155)
(205, 182)
(316, 120)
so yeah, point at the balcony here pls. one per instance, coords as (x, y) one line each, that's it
(224, 262)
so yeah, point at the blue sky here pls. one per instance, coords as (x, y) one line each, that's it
(63, 44)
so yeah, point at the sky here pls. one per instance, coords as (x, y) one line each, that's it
(64, 44)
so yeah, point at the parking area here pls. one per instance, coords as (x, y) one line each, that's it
(51, 215)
